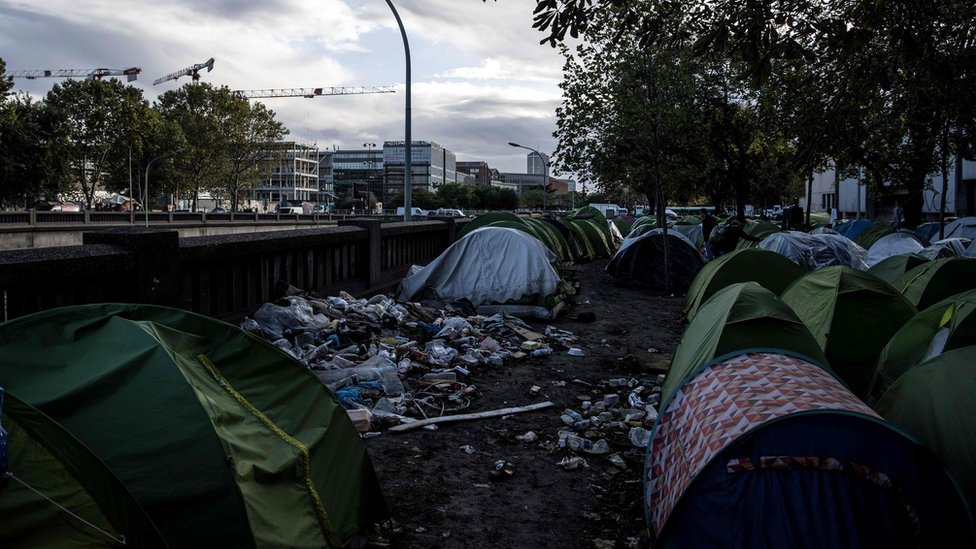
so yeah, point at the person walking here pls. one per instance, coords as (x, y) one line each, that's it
(708, 223)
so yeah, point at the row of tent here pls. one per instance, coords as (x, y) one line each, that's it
(830, 408)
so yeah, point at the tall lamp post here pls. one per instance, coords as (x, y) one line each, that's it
(407, 163)
(146, 205)
(545, 170)
(369, 168)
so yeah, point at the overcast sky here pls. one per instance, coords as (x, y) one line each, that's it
(480, 76)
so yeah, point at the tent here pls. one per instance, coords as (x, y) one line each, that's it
(813, 251)
(870, 235)
(491, 265)
(766, 449)
(640, 261)
(221, 438)
(771, 270)
(541, 230)
(758, 229)
(947, 247)
(928, 231)
(898, 242)
(852, 315)
(949, 324)
(739, 317)
(891, 268)
(692, 231)
(964, 227)
(852, 228)
(934, 403)
(936, 280)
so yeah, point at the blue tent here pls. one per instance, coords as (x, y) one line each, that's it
(851, 229)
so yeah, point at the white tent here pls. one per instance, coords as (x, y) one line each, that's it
(896, 243)
(487, 265)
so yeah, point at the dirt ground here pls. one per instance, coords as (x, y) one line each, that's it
(440, 495)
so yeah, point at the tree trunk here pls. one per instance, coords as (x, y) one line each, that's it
(809, 194)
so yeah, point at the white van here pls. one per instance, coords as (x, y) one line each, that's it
(414, 212)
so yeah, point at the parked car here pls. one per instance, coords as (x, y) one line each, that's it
(449, 212)
(66, 207)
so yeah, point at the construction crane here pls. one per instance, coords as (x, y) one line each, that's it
(96, 74)
(193, 71)
(310, 92)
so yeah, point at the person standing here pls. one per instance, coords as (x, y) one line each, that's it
(896, 217)
(708, 223)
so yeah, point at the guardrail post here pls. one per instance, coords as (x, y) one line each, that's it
(451, 227)
(374, 253)
(157, 255)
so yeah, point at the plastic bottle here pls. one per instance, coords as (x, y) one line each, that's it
(541, 352)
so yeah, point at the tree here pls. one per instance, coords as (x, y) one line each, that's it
(455, 195)
(32, 141)
(532, 199)
(494, 198)
(100, 115)
(6, 82)
(252, 130)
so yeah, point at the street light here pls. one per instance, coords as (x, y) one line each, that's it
(146, 195)
(407, 163)
(545, 170)
(369, 167)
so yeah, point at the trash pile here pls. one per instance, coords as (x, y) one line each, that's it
(617, 414)
(401, 361)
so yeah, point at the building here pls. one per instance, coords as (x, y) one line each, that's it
(294, 175)
(326, 193)
(431, 166)
(537, 163)
(479, 170)
(358, 173)
(852, 198)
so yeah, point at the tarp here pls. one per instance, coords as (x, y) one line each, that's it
(947, 247)
(893, 267)
(813, 251)
(949, 324)
(739, 317)
(934, 403)
(771, 270)
(900, 242)
(964, 227)
(222, 438)
(769, 450)
(852, 315)
(936, 280)
(488, 265)
(640, 261)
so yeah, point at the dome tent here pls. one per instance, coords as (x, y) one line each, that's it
(813, 251)
(934, 403)
(771, 270)
(852, 315)
(640, 261)
(490, 266)
(221, 438)
(898, 242)
(936, 280)
(949, 324)
(893, 267)
(766, 449)
(740, 316)
(541, 230)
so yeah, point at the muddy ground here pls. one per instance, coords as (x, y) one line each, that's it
(442, 496)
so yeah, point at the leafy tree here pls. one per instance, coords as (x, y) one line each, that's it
(532, 199)
(100, 117)
(419, 198)
(252, 130)
(6, 82)
(32, 141)
(455, 195)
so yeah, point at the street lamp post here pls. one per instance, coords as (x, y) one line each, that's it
(146, 195)
(369, 168)
(545, 170)
(407, 163)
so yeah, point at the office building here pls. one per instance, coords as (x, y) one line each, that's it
(294, 175)
(358, 173)
(431, 166)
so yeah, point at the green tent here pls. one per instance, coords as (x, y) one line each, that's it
(770, 269)
(624, 224)
(223, 439)
(579, 245)
(936, 280)
(758, 229)
(852, 315)
(487, 219)
(740, 317)
(949, 324)
(589, 212)
(890, 268)
(934, 403)
(541, 230)
(870, 235)
(597, 236)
